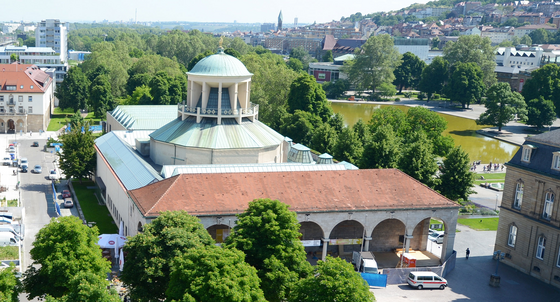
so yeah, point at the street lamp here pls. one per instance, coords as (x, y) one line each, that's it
(495, 278)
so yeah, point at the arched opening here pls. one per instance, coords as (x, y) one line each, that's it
(387, 241)
(140, 228)
(311, 238)
(346, 237)
(11, 126)
(219, 232)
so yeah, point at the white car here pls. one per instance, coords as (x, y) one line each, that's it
(53, 175)
(12, 149)
(437, 237)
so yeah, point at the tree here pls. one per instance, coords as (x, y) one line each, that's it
(78, 159)
(456, 179)
(323, 139)
(382, 150)
(302, 55)
(417, 159)
(409, 73)
(502, 105)
(374, 63)
(14, 57)
(88, 287)
(361, 130)
(295, 64)
(526, 40)
(435, 43)
(307, 95)
(63, 249)
(431, 123)
(328, 56)
(389, 116)
(331, 281)
(213, 274)
(337, 122)
(151, 253)
(348, 147)
(544, 82)
(300, 126)
(386, 90)
(540, 112)
(268, 233)
(136, 81)
(232, 52)
(140, 96)
(434, 77)
(539, 36)
(73, 92)
(10, 286)
(455, 33)
(473, 49)
(159, 88)
(466, 84)
(337, 89)
(101, 97)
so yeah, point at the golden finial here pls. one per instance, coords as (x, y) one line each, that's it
(221, 41)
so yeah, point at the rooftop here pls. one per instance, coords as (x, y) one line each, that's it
(220, 64)
(144, 117)
(26, 77)
(303, 191)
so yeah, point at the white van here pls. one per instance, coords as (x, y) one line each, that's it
(422, 280)
(7, 238)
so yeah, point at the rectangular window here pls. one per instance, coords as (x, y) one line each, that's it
(555, 159)
(518, 196)
(30, 98)
(526, 154)
(512, 235)
(540, 248)
(10, 87)
(548, 203)
(2, 109)
(1, 98)
(30, 109)
(20, 98)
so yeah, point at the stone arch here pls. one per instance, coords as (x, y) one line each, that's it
(346, 237)
(311, 230)
(219, 232)
(388, 235)
(140, 227)
(11, 125)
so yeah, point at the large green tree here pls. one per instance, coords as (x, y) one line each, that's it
(389, 116)
(323, 139)
(434, 77)
(308, 95)
(544, 82)
(417, 159)
(409, 72)
(539, 36)
(300, 126)
(268, 233)
(101, 96)
(382, 150)
(9, 284)
(78, 158)
(374, 63)
(213, 274)
(73, 92)
(473, 49)
(540, 112)
(302, 55)
(466, 84)
(88, 287)
(151, 253)
(502, 105)
(456, 179)
(63, 249)
(348, 146)
(333, 280)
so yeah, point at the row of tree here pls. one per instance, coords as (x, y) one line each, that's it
(175, 259)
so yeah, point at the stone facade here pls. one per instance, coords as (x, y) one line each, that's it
(529, 227)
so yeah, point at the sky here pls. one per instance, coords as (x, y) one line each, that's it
(242, 11)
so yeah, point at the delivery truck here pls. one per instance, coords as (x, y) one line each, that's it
(364, 262)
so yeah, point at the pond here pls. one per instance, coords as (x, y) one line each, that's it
(463, 131)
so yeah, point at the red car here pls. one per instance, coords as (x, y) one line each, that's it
(65, 194)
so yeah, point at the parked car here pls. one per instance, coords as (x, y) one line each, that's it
(11, 149)
(35, 144)
(37, 169)
(23, 169)
(68, 203)
(66, 194)
(53, 175)
(436, 236)
(23, 162)
(422, 280)
(7, 161)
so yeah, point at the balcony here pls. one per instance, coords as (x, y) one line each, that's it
(11, 103)
(14, 112)
(251, 111)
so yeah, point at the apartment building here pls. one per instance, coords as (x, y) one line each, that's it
(54, 34)
(44, 57)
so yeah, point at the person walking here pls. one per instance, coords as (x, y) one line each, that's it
(468, 253)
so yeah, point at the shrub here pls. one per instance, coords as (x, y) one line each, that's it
(421, 96)
(407, 95)
(437, 96)
(397, 99)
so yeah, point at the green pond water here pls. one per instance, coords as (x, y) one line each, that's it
(479, 147)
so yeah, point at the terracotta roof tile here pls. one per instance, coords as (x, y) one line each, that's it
(25, 75)
(306, 191)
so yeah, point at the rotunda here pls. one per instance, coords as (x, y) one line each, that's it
(217, 124)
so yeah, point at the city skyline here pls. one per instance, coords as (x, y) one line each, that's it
(214, 11)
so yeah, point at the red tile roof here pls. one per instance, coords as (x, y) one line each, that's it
(25, 75)
(310, 191)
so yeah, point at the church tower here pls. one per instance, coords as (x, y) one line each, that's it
(280, 19)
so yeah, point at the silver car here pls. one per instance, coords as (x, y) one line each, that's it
(37, 169)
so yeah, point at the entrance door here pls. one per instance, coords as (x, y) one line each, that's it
(11, 125)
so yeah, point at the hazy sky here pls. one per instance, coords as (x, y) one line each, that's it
(243, 11)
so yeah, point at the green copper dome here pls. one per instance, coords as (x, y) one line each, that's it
(220, 64)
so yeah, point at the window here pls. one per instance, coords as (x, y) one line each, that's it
(10, 87)
(30, 98)
(1, 98)
(548, 203)
(21, 87)
(527, 149)
(558, 259)
(555, 158)
(2, 109)
(540, 247)
(518, 196)
(20, 98)
(512, 235)
(30, 109)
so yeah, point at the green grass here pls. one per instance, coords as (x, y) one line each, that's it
(480, 224)
(490, 177)
(435, 221)
(9, 253)
(59, 117)
(92, 210)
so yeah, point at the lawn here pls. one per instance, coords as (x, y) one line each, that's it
(92, 210)
(435, 221)
(489, 177)
(59, 117)
(9, 253)
(480, 224)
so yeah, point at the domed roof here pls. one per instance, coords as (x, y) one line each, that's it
(220, 64)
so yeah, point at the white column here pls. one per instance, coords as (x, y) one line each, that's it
(235, 94)
(220, 103)
(325, 245)
(366, 244)
(407, 239)
(205, 92)
(247, 95)
(190, 102)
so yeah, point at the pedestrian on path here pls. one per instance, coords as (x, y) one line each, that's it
(468, 253)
